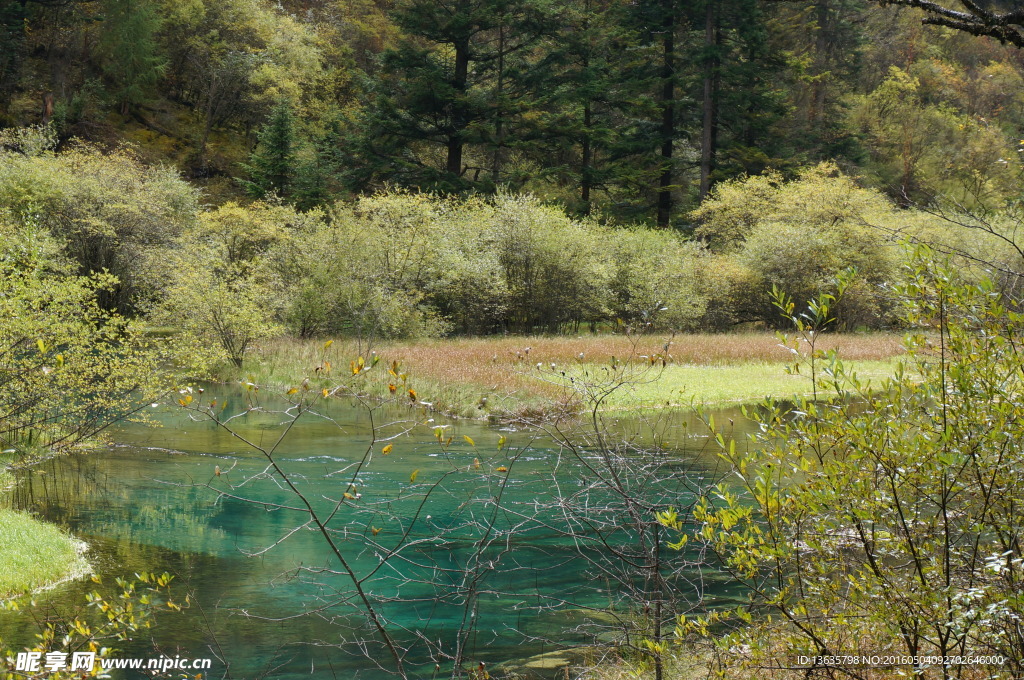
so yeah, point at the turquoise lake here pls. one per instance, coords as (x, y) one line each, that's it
(465, 551)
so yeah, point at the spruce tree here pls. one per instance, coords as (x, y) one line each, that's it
(587, 95)
(128, 42)
(442, 99)
(272, 165)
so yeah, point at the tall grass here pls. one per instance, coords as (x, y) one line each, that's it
(480, 377)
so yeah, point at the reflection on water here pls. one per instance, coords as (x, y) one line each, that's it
(154, 502)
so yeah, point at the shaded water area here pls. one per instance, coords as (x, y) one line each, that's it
(462, 548)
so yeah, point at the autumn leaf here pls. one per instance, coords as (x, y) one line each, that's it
(387, 449)
(469, 440)
(414, 475)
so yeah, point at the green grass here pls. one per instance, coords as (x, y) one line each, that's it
(34, 554)
(681, 385)
(525, 374)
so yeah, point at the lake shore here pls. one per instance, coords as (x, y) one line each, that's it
(504, 377)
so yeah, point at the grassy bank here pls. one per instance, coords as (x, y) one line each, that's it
(33, 554)
(479, 377)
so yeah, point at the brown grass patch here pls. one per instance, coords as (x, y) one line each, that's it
(456, 374)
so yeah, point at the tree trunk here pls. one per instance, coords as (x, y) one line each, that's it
(585, 170)
(499, 121)
(709, 130)
(668, 117)
(458, 114)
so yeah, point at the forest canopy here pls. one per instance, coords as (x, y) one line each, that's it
(628, 112)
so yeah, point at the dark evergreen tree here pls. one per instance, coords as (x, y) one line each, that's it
(272, 165)
(824, 39)
(742, 93)
(585, 97)
(132, 61)
(12, 48)
(444, 90)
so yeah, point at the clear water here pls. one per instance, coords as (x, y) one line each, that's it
(153, 502)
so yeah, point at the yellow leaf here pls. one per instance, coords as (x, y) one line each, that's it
(415, 473)
(326, 392)
(328, 344)
(41, 345)
(391, 388)
(469, 440)
(412, 394)
(501, 442)
(476, 463)
(375, 530)
(502, 468)
(293, 390)
(387, 449)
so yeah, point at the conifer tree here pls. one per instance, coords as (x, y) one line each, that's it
(132, 60)
(438, 109)
(272, 164)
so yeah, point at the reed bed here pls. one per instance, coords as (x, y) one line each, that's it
(480, 377)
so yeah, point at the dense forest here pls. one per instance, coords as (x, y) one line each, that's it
(430, 167)
(631, 112)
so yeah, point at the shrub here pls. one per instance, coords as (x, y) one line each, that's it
(885, 521)
(799, 235)
(106, 210)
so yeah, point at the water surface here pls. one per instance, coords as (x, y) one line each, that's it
(487, 562)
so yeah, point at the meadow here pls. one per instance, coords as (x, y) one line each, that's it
(499, 377)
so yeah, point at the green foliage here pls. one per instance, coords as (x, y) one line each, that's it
(922, 145)
(105, 210)
(798, 236)
(128, 41)
(216, 285)
(408, 265)
(68, 369)
(885, 521)
(111, 616)
(272, 163)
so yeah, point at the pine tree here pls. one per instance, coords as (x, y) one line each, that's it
(129, 44)
(272, 165)
(442, 100)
